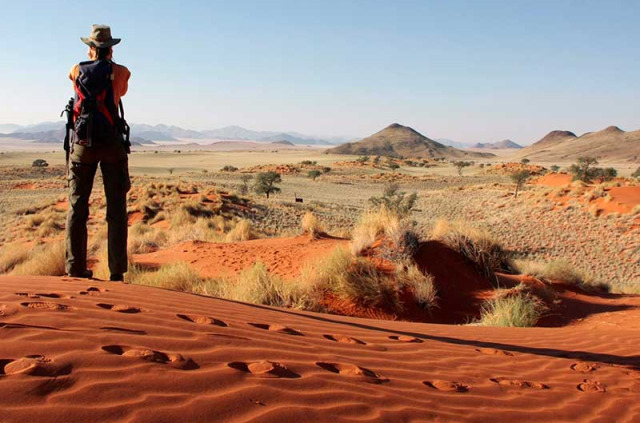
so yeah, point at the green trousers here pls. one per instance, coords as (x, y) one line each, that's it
(115, 175)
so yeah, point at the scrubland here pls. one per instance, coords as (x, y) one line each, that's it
(373, 265)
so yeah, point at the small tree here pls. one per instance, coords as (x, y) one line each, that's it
(525, 161)
(170, 171)
(244, 188)
(313, 174)
(582, 170)
(266, 183)
(606, 174)
(555, 168)
(395, 200)
(520, 177)
(460, 165)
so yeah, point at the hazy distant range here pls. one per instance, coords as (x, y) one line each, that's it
(53, 132)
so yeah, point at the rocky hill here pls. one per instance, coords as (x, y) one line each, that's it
(610, 144)
(397, 140)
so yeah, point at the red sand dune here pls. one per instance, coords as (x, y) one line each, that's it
(282, 256)
(623, 199)
(554, 180)
(90, 351)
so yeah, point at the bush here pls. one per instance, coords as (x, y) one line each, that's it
(229, 168)
(44, 260)
(257, 286)
(395, 201)
(355, 279)
(176, 276)
(519, 310)
(313, 174)
(243, 231)
(311, 225)
(636, 174)
(371, 224)
(308, 163)
(39, 163)
(555, 168)
(420, 284)
(479, 247)
(12, 255)
(394, 166)
(559, 271)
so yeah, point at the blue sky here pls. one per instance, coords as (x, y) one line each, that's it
(464, 70)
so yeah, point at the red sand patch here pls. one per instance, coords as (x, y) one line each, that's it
(134, 217)
(284, 257)
(554, 180)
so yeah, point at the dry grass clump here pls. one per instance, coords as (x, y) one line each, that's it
(522, 309)
(354, 278)
(257, 286)
(420, 284)
(12, 255)
(559, 271)
(44, 260)
(176, 276)
(310, 225)
(144, 239)
(478, 246)
(243, 231)
(372, 224)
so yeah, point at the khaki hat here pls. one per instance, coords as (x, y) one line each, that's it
(100, 37)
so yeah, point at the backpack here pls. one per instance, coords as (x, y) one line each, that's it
(95, 116)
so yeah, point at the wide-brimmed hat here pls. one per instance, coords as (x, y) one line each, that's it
(100, 37)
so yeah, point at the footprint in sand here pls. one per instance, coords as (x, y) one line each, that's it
(585, 367)
(591, 386)
(202, 320)
(120, 308)
(33, 365)
(404, 338)
(446, 385)
(491, 351)
(517, 383)
(344, 339)
(352, 370)
(92, 290)
(42, 305)
(277, 328)
(174, 360)
(264, 368)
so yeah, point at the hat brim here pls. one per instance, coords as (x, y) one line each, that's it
(98, 44)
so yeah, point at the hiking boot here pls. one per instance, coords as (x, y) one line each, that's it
(85, 274)
(117, 277)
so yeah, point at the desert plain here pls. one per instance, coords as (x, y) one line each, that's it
(365, 288)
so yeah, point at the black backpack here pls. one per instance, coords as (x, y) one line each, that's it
(95, 115)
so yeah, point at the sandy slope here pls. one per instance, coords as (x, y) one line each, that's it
(101, 352)
(284, 257)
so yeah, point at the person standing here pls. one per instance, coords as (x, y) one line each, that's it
(99, 137)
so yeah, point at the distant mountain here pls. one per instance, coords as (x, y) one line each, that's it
(40, 127)
(497, 145)
(452, 143)
(6, 128)
(239, 133)
(168, 133)
(50, 136)
(283, 143)
(610, 144)
(397, 140)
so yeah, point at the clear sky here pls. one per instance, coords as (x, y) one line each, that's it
(464, 70)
